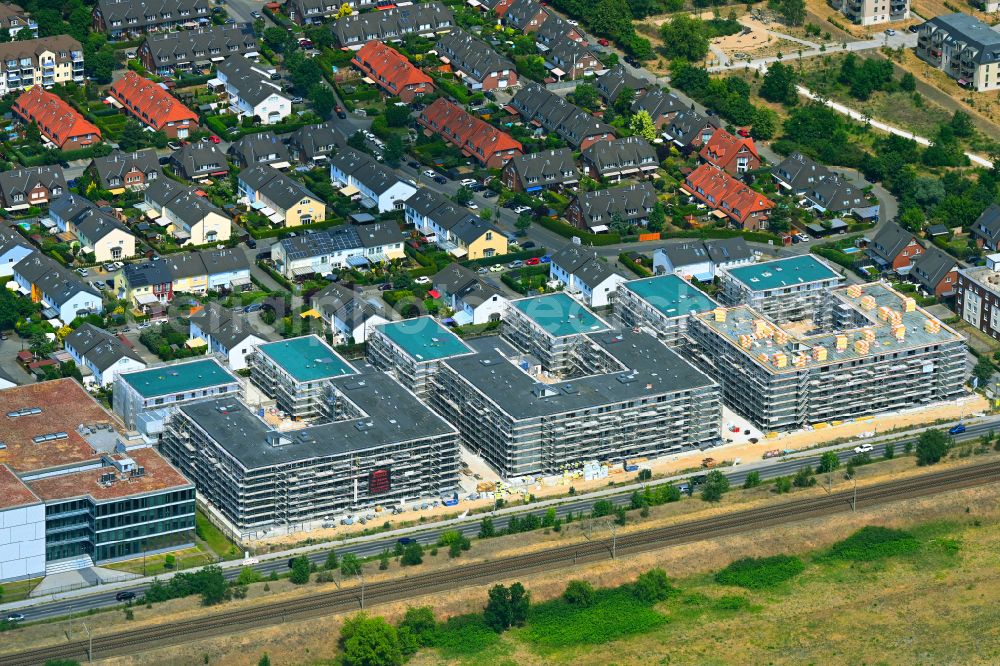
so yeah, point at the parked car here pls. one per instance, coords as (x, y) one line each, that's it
(489, 194)
(83, 272)
(296, 100)
(528, 245)
(214, 139)
(534, 261)
(118, 265)
(482, 270)
(890, 32)
(914, 28)
(497, 268)
(744, 132)
(440, 180)
(864, 448)
(468, 182)
(603, 42)
(255, 14)
(472, 205)
(108, 268)
(127, 595)
(385, 286)
(517, 263)
(173, 145)
(545, 259)
(522, 209)
(413, 165)
(255, 307)
(423, 279)
(252, 244)
(430, 173)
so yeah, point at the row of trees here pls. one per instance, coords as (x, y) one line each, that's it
(611, 19)
(729, 97)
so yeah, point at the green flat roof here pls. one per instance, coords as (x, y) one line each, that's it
(307, 358)
(671, 295)
(424, 339)
(179, 378)
(783, 272)
(559, 315)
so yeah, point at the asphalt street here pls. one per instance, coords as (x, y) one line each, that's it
(737, 475)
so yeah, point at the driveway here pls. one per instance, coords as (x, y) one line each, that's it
(9, 349)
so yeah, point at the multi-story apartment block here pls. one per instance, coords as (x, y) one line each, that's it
(977, 296)
(661, 306)
(121, 19)
(783, 289)
(414, 349)
(548, 327)
(372, 444)
(873, 12)
(167, 53)
(863, 349)
(69, 496)
(45, 62)
(964, 48)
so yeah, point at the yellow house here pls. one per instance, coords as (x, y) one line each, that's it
(478, 238)
(107, 238)
(284, 200)
(190, 218)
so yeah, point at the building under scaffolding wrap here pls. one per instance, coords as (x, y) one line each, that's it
(783, 289)
(868, 349)
(294, 373)
(413, 349)
(373, 444)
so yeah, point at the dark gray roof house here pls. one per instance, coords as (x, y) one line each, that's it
(336, 301)
(313, 143)
(571, 123)
(572, 257)
(525, 15)
(275, 186)
(91, 223)
(253, 85)
(571, 58)
(101, 348)
(597, 210)
(223, 325)
(661, 106)
(986, 228)
(629, 156)
(611, 83)
(119, 169)
(690, 129)
(797, 173)
(835, 194)
(21, 188)
(541, 170)
(260, 148)
(890, 241)
(471, 56)
(162, 53)
(931, 270)
(132, 16)
(182, 201)
(425, 18)
(199, 160)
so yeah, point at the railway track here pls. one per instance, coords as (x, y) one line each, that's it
(346, 599)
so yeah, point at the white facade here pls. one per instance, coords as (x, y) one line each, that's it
(22, 542)
(600, 294)
(704, 271)
(236, 356)
(390, 198)
(359, 333)
(482, 313)
(11, 256)
(82, 301)
(107, 376)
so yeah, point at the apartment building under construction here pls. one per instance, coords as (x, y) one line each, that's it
(294, 373)
(867, 349)
(414, 349)
(783, 289)
(661, 305)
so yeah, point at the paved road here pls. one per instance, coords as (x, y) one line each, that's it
(373, 546)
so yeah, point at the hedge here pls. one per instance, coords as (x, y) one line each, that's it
(568, 230)
(278, 277)
(751, 236)
(634, 266)
(504, 258)
(278, 231)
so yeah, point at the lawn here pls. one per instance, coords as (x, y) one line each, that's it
(18, 589)
(153, 565)
(214, 538)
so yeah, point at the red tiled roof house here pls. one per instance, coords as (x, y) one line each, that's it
(747, 208)
(476, 138)
(57, 121)
(733, 154)
(392, 71)
(153, 106)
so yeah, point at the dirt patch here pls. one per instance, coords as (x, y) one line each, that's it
(984, 106)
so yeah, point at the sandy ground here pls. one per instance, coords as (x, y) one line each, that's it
(309, 641)
(983, 104)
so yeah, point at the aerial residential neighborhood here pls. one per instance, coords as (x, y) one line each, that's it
(499, 331)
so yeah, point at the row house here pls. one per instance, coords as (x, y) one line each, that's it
(823, 189)
(345, 246)
(571, 60)
(474, 299)
(571, 123)
(729, 197)
(689, 130)
(226, 333)
(584, 273)
(285, 201)
(350, 316)
(893, 248)
(611, 83)
(314, 12)
(14, 19)
(661, 106)
(97, 230)
(121, 19)
(474, 137)
(452, 227)
(31, 186)
(525, 16)
(596, 211)
(313, 144)
(187, 216)
(252, 93)
(157, 281)
(199, 161)
(936, 271)
(60, 291)
(13, 248)
(629, 157)
(391, 71)
(702, 259)
(477, 65)
(548, 169)
(557, 30)
(733, 154)
(166, 54)
(377, 186)
(120, 171)
(46, 61)
(425, 19)
(102, 354)
(260, 148)
(153, 106)
(986, 229)
(58, 122)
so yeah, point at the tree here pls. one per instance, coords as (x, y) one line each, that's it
(497, 614)
(31, 132)
(264, 660)
(520, 603)
(653, 586)
(463, 196)
(585, 96)
(523, 222)
(684, 37)
(961, 124)
(531, 67)
(486, 528)
(300, 570)
(623, 103)
(394, 150)
(579, 593)
(248, 575)
(322, 99)
(782, 485)
(213, 586)
(983, 370)
(642, 125)
(276, 38)
(828, 462)
(305, 71)
(420, 622)
(752, 480)
(350, 565)
(397, 116)
(715, 485)
(345, 10)
(331, 561)
(793, 11)
(804, 478)
(101, 65)
(779, 84)
(780, 219)
(369, 641)
(889, 452)
(383, 561)
(413, 555)
(908, 83)
(932, 445)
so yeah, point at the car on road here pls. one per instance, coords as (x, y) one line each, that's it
(522, 209)
(472, 205)
(482, 270)
(413, 165)
(215, 139)
(489, 194)
(534, 261)
(440, 180)
(603, 42)
(255, 14)
(890, 32)
(230, 21)
(255, 307)
(467, 182)
(423, 279)
(341, 113)
(956, 429)
(497, 268)
(15, 617)
(864, 448)
(430, 173)
(127, 595)
(527, 245)
(405, 541)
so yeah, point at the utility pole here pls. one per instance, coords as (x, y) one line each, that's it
(614, 538)
(90, 644)
(362, 574)
(854, 502)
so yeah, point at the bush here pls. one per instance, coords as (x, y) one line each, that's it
(804, 478)
(873, 543)
(506, 607)
(715, 485)
(463, 635)
(752, 480)
(300, 570)
(208, 582)
(614, 614)
(782, 485)
(579, 593)
(653, 586)
(932, 445)
(413, 555)
(760, 573)
(602, 508)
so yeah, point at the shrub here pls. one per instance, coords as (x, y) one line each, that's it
(760, 573)
(873, 543)
(782, 484)
(614, 614)
(653, 586)
(932, 445)
(300, 570)
(463, 635)
(579, 593)
(602, 508)
(715, 485)
(752, 480)
(804, 478)
(248, 575)
(413, 555)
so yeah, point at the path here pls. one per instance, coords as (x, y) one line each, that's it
(720, 55)
(860, 117)
(797, 40)
(900, 39)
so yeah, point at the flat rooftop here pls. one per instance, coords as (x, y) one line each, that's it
(783, 273)
(159, 475)
(179, 378)
(560, 315)
(307, 358)
(651, 368)
(671, 295)
(393, 415)
(64, 406)
(424, 339)
(13, 491)
(744, 326)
